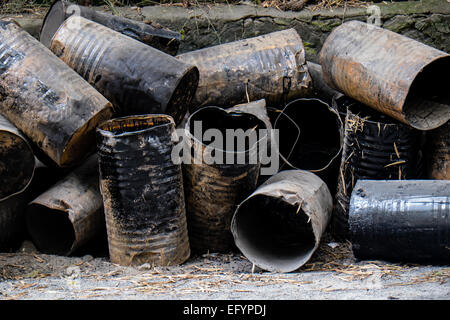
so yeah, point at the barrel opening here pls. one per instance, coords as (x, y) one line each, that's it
(273, 232)
(318, 129)
(51, 230)
(427, 105)
(55, 17)
(134, 124)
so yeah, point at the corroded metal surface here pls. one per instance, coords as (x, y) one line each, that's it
(17, 160)
(142, 191)
(279, 226)
(151, 34)
(50, 103)
(388, 72)
(406, 221)
(213, 190)
(69, 214)
(271, 66)
(375, 147)
(136, 78)
(438, 153)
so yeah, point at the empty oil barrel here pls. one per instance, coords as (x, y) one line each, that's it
(376, 147)
(438, 153)
(270, 66)
(136, 78)
(216, 180)
(142, 191)
(389, 72)
(310, 138)
(49, 102)
(279, 226)
(407, 221)
(17, 160)
(69, 214)
(151, 34)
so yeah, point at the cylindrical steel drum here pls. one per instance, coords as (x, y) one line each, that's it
(388, 72)
(438, 153)
(279, 226)
(136, 78)
(375, 147)
(407, 221)
(214, 185)
(69, 214)
(270, 66)
(142, 191)
(160, 38)
(50, 103)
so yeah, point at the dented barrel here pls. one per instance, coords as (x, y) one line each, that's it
(407, 221)
(438, 153)
(50, 103)
(142, 191)
(217, 175)
(375, 147)
(389, 72)
(69, 214)
(17, 161)
(279, 226)
(270, 66)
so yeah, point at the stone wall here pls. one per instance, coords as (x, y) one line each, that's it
(427, 21)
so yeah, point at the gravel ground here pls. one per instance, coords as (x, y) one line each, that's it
(332, 273)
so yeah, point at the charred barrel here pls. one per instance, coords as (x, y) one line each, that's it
(407, 221)
(68, 214)
(136, 78)
(310, 135)
(17, 160)
(142, 191)
(160, 38)
(279, 226)
(50, 103)
(388, 72)
(320, 89)
(218, 177)
(271, 66)
(375, 147)
(438, 153)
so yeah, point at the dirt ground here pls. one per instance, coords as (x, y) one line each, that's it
(332, 273)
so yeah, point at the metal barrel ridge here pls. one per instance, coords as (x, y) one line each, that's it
(154, 35)
(375, 147)
(405, 221)
(279, 226)
(215, 186)
(142, 190)
(69, 214)
(136, 78)
(50, 103)
(270, 66)
(17, 161)
(438, 153)
(389, 72)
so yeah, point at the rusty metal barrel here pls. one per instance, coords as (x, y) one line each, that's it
(406, 221)
(270, 66)
(438, 153)
(391, 73)
(17, 161)
(279, 226)
(376, 147)
(50, 103)
(142, 191)
(151, 34)
(136, 78)
(69, 214)
(217, 180)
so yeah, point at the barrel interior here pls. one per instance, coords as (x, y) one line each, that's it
(51, 230)
(52, 22)
(273, 232)
(134, 124)
(16, 163)
(427, 105)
